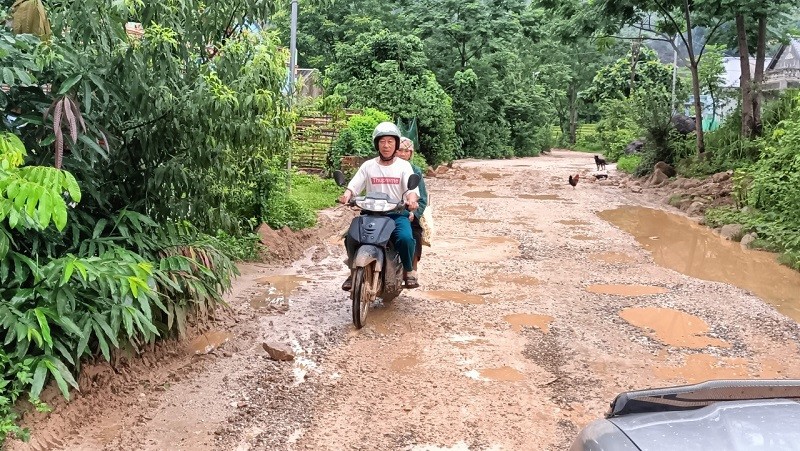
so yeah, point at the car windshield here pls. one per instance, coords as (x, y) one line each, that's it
(689, 397)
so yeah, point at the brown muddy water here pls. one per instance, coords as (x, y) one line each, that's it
(481, 195)
(454, 296)
(541, 196)
(209, 341)
(672, 327)
(520, 320)
(280, 287)
(626, 290)
(684, 246)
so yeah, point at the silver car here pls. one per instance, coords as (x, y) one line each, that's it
(729, 415)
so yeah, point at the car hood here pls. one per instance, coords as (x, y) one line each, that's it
(731, 426)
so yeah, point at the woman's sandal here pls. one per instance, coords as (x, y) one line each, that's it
(411, 282)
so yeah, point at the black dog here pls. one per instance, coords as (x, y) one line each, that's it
(601, 163)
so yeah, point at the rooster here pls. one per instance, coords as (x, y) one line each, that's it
(574, 180)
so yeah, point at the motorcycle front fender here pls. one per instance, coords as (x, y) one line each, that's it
(367, 254)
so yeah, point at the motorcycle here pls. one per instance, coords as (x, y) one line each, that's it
(375, 266)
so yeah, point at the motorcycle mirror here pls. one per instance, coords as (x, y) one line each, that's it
(413, 181)
(338, 176)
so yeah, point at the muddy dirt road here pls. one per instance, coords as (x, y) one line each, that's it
(534, 312)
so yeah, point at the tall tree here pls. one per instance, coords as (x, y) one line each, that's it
(388, 71)
(668, 21)
(753, 30)
(566, 58)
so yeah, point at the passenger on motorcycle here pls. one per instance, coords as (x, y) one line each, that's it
(388, 174)
(406, 152)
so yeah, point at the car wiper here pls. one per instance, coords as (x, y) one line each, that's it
(697, 396)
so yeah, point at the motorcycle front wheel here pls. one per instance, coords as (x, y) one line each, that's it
(362, 294)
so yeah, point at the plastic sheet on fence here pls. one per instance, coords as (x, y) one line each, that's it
(408, 127)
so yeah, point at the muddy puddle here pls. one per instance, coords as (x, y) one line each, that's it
(520, 279)
(461, 209)
(672, 327)
(477, 249)
(491, 175)
(541, 196)
(403, 364)
(279, 288)
(520, 320)
(209, 341)
(626, 290)
(482, 221)
(454, 296)
(679, 244)
(481, 195)
(502, 374)
(574, 222)
(703, 367)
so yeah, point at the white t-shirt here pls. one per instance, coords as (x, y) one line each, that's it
(391, 179)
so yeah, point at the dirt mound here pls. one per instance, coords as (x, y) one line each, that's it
(288, 245)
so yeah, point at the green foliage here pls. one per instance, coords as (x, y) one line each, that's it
(629, 163)
(614, 80)
(418, 160)
(240, 248)
(356, 137)
(617, 127)
(153, 131)
(652, 112)
(296, 208)
(314, 193)
(387, 71)
(711, 76)
(770, 188)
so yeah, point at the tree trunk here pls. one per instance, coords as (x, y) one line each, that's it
(698, 106)
(573, 114)
(758, 78)
(634, 61)
(745, 82)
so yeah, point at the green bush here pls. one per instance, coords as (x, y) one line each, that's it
(356, 137)
(246, 247)
(389, 71)
(297, 207)
(418, 160)
(770, 187)
(617, 127)
(629, 163)
(68, 291)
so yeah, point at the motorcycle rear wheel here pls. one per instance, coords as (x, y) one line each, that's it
(362, 295)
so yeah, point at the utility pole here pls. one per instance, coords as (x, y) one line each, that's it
(292, 64)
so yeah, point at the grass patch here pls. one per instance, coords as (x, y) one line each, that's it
(675, 200)
(773, 234)
(313, 192)
(629, 163)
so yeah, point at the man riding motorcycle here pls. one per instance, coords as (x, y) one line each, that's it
(388, 174)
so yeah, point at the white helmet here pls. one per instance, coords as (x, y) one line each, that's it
(386, 129)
